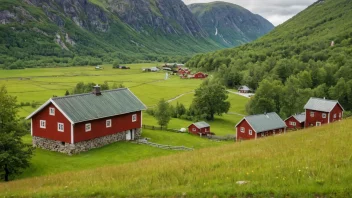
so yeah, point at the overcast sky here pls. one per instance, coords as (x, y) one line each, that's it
(276, 11)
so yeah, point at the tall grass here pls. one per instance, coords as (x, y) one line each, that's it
(310, 163)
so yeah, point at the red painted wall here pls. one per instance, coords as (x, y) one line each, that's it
(51, 130)
(199, 75)
(202, 130)
(98, 127)
(318, 117)
(337, 110)
(298, 124)
(245, 135)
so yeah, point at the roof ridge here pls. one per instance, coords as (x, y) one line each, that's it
(82, 94)
(324, 99)
(260, 114)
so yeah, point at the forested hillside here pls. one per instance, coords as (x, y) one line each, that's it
(230, 24)
(309, 55)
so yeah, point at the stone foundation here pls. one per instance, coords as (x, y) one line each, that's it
(78, 147)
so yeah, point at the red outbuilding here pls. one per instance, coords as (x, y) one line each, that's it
(200, 75)
(321, 111)
(256, 126)
(296, 121)
(77, 123)
(199, 128)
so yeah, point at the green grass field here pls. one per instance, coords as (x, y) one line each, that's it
(40, 84)
(316, 162)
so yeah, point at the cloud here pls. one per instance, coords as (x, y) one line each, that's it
(276, 11)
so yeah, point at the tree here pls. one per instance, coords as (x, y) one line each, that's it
(14, 154)
(210, 99)
(162, 113)
(67, 93)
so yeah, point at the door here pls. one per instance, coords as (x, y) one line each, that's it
(318, 124)
(128, 135)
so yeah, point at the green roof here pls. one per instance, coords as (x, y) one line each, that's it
(84, 107)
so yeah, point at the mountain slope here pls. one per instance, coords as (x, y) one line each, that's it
(84, 32)
(230, 24)
(297, 59)
(315, 162)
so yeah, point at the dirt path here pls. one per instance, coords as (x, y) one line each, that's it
(241, 94)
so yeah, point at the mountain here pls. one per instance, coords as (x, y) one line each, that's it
(81, 32)
(230, 24)
(309, 55)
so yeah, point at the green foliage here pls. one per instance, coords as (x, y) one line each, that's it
(210, 99)
(298, 54)
(14, 154)
(87, 88)
(162, 113)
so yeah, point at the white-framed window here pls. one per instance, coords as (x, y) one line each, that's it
(134, 117)
(242, 129)
(323, 115)
(108, 123)
(60, 127)
(318, 123)
(51, 111)
(262, 135)
(42, 124)
(312, 114)
(250, 132)
(293, 123)
(88, 127)
(335, 115)
(194, 129)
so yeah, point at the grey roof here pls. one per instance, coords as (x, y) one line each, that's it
(245, 88)
(300, 117)
(85, 107)
(319, 104)
(265, 122)
(201, 125)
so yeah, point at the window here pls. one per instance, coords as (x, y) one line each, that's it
(242, 129)
(42, 124)
(280, 130)
(250, 132)
(108, 123)
(339, 115)
(335, 115)
(262, 134)
(318, 123)
(194, 129)
(293, 123)
(88, 127)
(324, 115)
(60, 127)
(312, 114)
(134, 117)
(51, 111)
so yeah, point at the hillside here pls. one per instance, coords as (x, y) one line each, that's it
(68, 32)
(230, 24)
(295, 61)
(311, 163)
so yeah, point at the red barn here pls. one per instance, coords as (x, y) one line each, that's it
(256, 126)
(77, 123)
(296, 121)
(321, 111)
(199, 128)
(200, 75)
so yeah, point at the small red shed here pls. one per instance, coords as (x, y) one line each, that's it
(77, 123)
(256, 126)
(200, 75)
(296, 121)
(321, 111)
(199, 128)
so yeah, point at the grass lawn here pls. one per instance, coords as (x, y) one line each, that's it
(321, 166)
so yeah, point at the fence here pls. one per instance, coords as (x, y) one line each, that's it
(166, 147)
(161, 128)
(222, 138)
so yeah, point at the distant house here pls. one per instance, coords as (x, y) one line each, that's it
(200, 75)
(198, 128)
(256, 126)
(154, 69)
(296, 121)
(78, 123)
(321, 111)
(244, 89)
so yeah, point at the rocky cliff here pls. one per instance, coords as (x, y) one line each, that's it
(230, 24)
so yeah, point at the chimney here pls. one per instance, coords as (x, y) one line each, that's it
(96, 90)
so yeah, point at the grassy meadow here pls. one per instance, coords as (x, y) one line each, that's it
(316, 162)
(40, 84)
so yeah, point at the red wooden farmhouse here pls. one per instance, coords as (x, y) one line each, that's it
(321, 111)
(296, 121)
(199, 128)
(256, 126)
(77, 123)
(200, 75)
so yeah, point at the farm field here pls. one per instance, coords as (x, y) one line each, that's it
(40, 84)
(320, 166)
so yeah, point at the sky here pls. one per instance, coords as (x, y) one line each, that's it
(276, 11)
